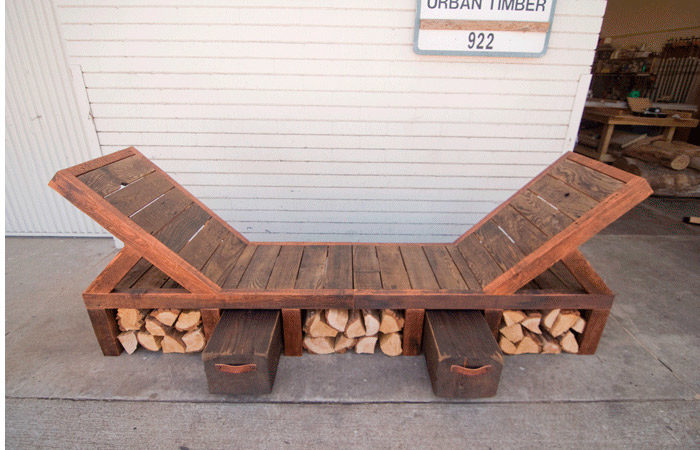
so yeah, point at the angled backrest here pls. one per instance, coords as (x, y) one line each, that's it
(561, 208)
(153, 215)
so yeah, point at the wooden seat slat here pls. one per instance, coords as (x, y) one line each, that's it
(133, 275)
(420, 274)
(312, 269)
(548, 280)
(391, 267)
(339, 267)
(595, 184)
(258, 272)
(202, 246)
(224, 258)
(233, 278)
(140, 193)
(502, 249)
(107, 179)
(182, 228)
(366, 267)
(444, 268)
(526, 235)
(153, 278)
(565, 275)
(461, 264)
(154, 216)
(479, 260)
(286, 268)
(549, 220)
(566, 198)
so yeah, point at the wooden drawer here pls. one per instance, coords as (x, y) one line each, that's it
(243, 352)
(463, 358)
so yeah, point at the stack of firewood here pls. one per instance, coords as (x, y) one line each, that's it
(540, 331)
(339, 330)
(169, 330)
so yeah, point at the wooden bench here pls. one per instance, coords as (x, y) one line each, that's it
(180, 254)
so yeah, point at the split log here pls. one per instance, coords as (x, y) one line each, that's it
(548, 318)
(315, 326)
(507, 347)
(565, 320)
(148, 341)
(569, 343)
(532, 322)
(343, 343)
(390, 344)
(166, 316)
(129, 341)
(194, 340)
(366, 344)
(510, 317)
(155, 327)
(513, 333)
(528, 344)
(319, 345)
(549, 344)
(651, 153)
(579, 325)
(372, 321)
(188, 320)
(355, 328)
(392, 321)
(130, 319)
(337, 318)
(172, 342)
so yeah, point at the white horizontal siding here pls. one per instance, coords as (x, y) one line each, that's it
(314, 120)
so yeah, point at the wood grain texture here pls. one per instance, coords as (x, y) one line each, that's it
(258, 272)
(567, 199)
(233, 278)
(391, 267)
(468, 276)
(313, 267)
(444, 268)
(138, 194)
(339, 267)
(286, 268)
(210, 317)
(595, 184)
(420, 274)
(292, 330)
(480, 261)
(502, 249)
(366, 267)
(224, 259)
(104, 324)
(595, 324)
(109, 178)
(413, 331)
(546, 218)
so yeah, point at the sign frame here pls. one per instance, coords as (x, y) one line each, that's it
(419, 51)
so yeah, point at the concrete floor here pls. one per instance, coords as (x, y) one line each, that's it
(641, 389)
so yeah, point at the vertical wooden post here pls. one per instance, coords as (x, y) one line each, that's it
(104, 323)
(291, 327)
(210, 317)
(605, 141)
(595, 324)
(413, 331)
(668, 133)
(493, 318)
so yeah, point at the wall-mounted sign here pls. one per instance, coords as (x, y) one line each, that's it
(483, 27)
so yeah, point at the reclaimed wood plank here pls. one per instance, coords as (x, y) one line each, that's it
(444, 268)
(595, 324)
(286, 268)
(564, 197)
(258, 272)
(182, 228)
(392, 269)
(313, 267)
(339, 267)
(210, 318)
(526, 235)
(365, 267)
(134, 274)
(547, 219)
(420, 274)
(109, 178)
(292, 332)
(547, 280)
(595, 184)
(140, 193)
(233, 278)
(501, 248)
(569, 281)
(479, 260)
(413, 331)
(224, 259)
(104, 324)
(154, 216)
(461, 264)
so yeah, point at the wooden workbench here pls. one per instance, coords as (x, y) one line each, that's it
(610, 117)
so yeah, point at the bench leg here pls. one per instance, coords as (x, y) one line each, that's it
(413, 331)
(595, 324)
(104, 323)
(291, 327)
(493, 318)
(210, 317)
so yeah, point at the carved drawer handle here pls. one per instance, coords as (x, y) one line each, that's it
(243, 368)
(462, 370)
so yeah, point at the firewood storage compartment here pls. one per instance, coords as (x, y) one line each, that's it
(243, 352)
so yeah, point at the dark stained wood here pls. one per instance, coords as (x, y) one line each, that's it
(104, 324)
(549, 220)
(548, 280)
(153, 278)
(115, 271)
(584, 273)
(568, 200)
(202, 246)
(570, 282)
(286, 268)
(339, 267)
(595, 324)
(367, 280)
(313, 267)
(224, 259)
(444, 268)
(139, 193)
(479, 260)
(291, 327)
(391, 267)
(461, 264)
(182, 228)
(493, 319)
(251, 338)
(210, 317)
(595, 184)
(134, 274)
(111, 177)
(502, 249)
(102, 161)
(153, 217)
(365, 267)
(418, 268)
(260, 267)
(413, 331)
(526, 235)
(463, 358)
(234, 277)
